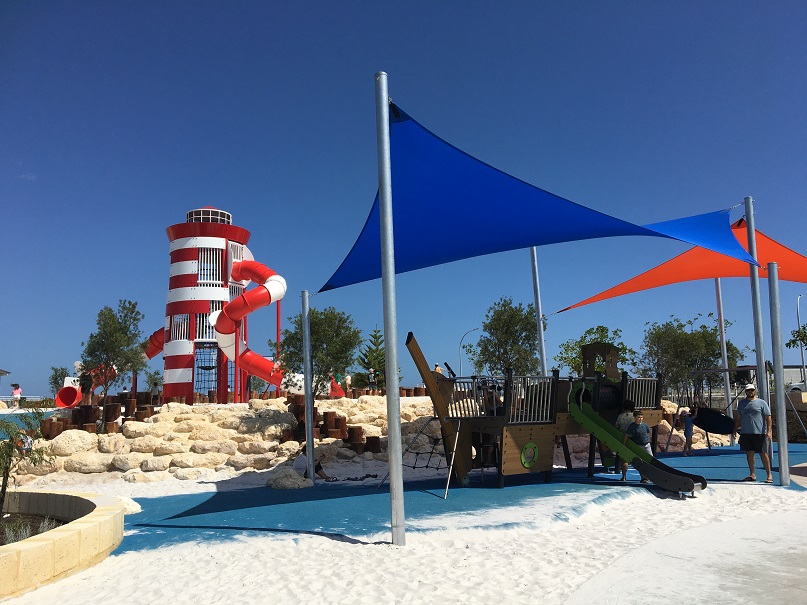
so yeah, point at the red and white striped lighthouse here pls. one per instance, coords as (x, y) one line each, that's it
(203, 250)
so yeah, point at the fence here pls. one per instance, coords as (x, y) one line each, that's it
(520, 399)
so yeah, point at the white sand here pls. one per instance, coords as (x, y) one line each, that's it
(730, 544)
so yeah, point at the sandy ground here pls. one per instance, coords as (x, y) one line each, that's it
(732, 543)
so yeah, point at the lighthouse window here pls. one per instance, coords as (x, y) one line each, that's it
(179, 327)
(209, 267)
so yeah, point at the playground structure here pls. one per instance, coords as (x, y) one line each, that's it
(205, 338)
(511, 423)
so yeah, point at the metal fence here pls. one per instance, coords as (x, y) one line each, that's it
(643, 392)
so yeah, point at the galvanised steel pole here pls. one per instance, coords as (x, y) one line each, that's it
(390, 311)
(778, 375)
(759, 344)
(723, 353)
(801, 344)
(539, 315)
(308, 379)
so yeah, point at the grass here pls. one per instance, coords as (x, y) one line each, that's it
(15, 527)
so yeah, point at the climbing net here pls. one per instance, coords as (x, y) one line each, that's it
(430, 454)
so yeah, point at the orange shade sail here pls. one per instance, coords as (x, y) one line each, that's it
(699, 263)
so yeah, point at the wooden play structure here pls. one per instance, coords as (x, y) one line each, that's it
(513, 424)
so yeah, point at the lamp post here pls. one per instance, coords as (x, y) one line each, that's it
(801, 345)
(460, 347)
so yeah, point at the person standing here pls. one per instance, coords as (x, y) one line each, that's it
(639, 433)
(155, 393)
(16, 395)
(623, 421)
(689, 429)
(85, 383)
(755, 426)
(372, 384)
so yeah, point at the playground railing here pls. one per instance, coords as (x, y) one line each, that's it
(644, 392)
(531, 399)
(476, 396)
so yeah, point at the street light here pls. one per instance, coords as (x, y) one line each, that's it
(460, 347)
(801, 345)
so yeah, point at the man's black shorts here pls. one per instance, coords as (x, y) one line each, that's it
(752, 442)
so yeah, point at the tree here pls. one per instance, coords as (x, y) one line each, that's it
(16, 445)
(799, 338)
(676, 349)
(509, 340)
(373, 355)
(334, 341)
(114, 349)
(153, 377)
(56, 379)
(570, 351)
(257, 384)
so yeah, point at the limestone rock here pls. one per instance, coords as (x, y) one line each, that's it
(126, 462)
(223, 447)
(155, 464)
(130, 507)
(88, 462)
(137, 476)
(54, 465)
(190, 474)
(288, 449)
(163, 417)
(134, 429)
(146, 444)
(210, 432)
(345, 454)
(72, 442)
(190, 417)
(165, 448)
(188, 426)
(176, 408)
(285, 477)
(243, 438)
(114, 443)
(257, 461)
(191, 460)
(257, 447)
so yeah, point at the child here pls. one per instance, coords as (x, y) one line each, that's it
(623, 421)
(300, 465)
(639, 433)
(689, 430)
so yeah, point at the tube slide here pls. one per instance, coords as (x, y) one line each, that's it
(659, 473)
(271, 288)
(68, 397)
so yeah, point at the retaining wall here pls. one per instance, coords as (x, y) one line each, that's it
(93, 528)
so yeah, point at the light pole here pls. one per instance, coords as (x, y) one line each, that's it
(460, 347)
(801, 345)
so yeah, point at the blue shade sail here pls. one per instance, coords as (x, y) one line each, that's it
(431, 177)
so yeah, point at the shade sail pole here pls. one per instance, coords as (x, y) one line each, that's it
(390, 311)
(723, 351)
(308, 389)
(778, 374)
(759, 344)
(539, 314)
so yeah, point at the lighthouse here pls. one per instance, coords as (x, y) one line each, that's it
(203, 250)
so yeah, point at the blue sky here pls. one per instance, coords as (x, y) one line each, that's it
(117, 118)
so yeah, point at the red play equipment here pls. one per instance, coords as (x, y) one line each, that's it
(207, 307)
(70, 396)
